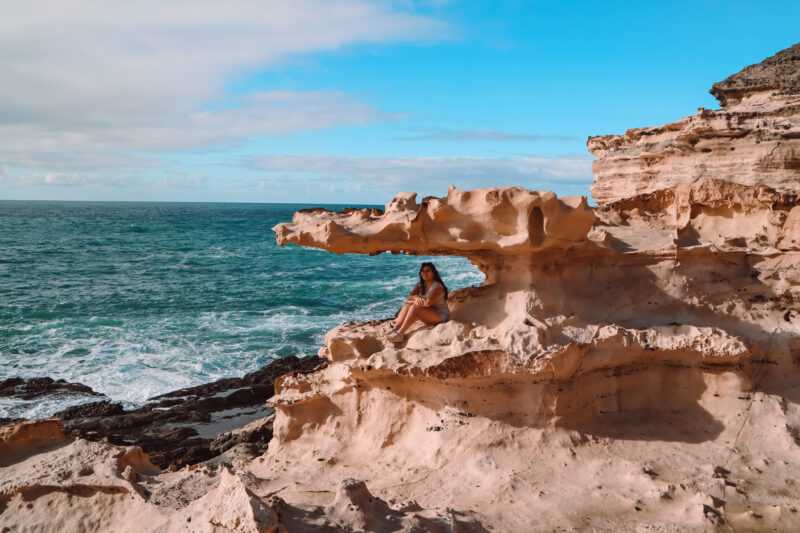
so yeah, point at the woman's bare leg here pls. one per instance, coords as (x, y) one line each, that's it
(401, 315)
(419, 312)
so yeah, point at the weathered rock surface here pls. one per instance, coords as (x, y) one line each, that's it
(23, 439)
(506, 222)
(75, 485)
(778, 74)
(78, 485)
(630, 366)
(753, 139)
(185, 426)
(32, 388)
(634, 367)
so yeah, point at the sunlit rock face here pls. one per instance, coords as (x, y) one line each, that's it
(629, 367)
(753, 139)
(623, 335)
(489, 226)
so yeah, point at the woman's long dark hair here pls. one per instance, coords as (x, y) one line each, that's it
(420, 288)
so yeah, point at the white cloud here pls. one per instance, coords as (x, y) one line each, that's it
(90, 85)
(461, 135)
(52, 179)
(115, 143)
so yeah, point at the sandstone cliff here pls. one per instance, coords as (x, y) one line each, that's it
(634, 366)
(652, 340)
(751, 140)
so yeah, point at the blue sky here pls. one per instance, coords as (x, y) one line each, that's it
(350, 101)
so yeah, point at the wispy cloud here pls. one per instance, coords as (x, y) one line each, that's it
(378, 177)
(53, 179)
(126, 142)
(94, 86)
(460, 135)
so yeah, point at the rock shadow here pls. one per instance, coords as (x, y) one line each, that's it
(654, 402)
(355, 508)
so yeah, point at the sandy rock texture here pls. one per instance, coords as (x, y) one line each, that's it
(751, 140)
(629, 367)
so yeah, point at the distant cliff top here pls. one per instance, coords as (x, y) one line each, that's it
(780, 73)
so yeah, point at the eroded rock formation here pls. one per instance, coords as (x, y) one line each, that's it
(634, 366)
(605, 344)
(751, 140)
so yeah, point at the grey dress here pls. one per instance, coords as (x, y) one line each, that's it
(440, 306)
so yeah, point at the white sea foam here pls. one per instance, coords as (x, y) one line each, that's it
(145, 320)
(41, 407)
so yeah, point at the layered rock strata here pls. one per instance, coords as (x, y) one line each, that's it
(653, 339)
(629, 367)
(619, 367)
(751, 140)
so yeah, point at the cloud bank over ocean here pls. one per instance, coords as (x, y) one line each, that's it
(341, 101)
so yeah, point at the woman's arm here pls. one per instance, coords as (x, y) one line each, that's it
(413, 295)
(434, 295)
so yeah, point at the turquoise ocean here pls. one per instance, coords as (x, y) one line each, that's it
(137, 299)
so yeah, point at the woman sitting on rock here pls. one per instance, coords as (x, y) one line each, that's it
(426, 302)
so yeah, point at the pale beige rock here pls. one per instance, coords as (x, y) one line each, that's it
(630, 367)
(608, 385)
(79, 486)
(756, 141)
(18, 441)
(496, 222)
(753, 139)
(633, 367)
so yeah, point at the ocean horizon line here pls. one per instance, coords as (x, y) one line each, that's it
(184, 202)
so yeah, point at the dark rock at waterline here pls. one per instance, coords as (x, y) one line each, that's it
(31, 388)
(190, 425)
(264, 376)
(257, 434)
(179, 428)
(102, 408)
